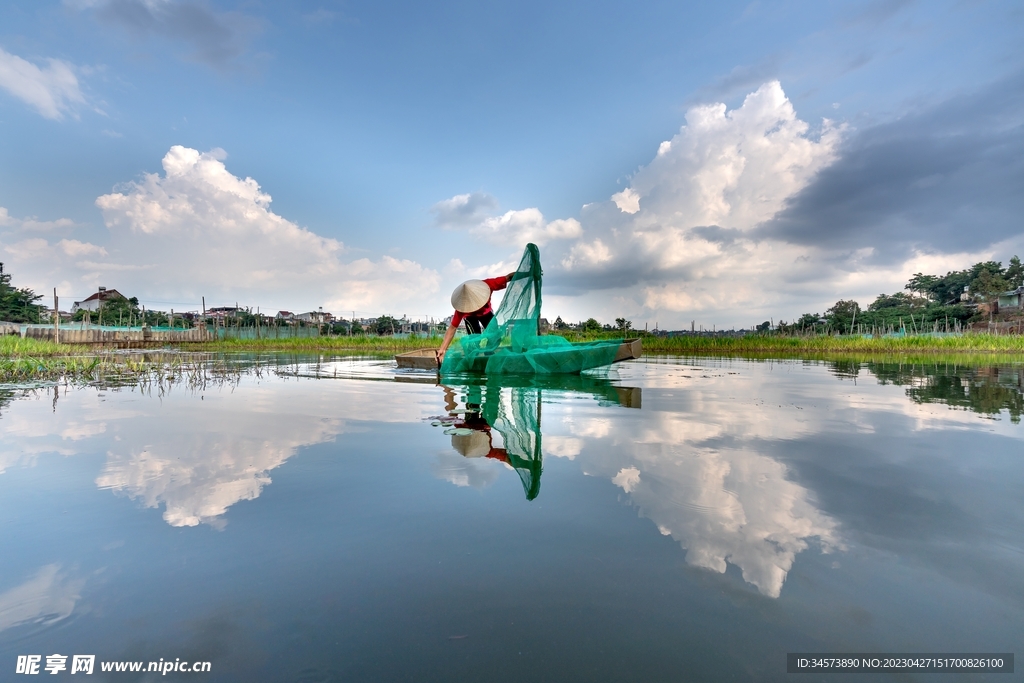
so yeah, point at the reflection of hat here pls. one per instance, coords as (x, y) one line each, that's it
(470, 296)
(476, 444)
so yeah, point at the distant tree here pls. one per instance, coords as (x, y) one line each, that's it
(897, 300)
(112, 310)
(764, 327)
(808, 320)
(922, 284)
(387, 325)
(356, 327)
(988, 286)
(116, 310)
(842, 314)
(590, 325)
(623, 324)
(560, 324)
(17, 305)
(1014, 274)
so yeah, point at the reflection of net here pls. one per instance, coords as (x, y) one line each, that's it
(519, 424)
(511, 344)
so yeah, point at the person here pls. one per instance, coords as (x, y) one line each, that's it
(472, 303)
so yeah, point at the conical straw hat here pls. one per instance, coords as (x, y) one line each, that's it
(470, 296)
(472, 445)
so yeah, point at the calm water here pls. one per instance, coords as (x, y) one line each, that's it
(676, 519)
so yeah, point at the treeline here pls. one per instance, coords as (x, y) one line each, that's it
(121, 311)
(944, 301)
(591, 325)
(17, 305)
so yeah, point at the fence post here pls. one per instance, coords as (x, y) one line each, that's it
(56, 318)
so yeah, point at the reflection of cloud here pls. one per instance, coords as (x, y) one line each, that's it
(462, 471)
(47, 597)
(596, 428)
(76, 431)
(734, 506)
(627, 478)
(196, 457)
(225, 456)
(724, 505)
(562, 446)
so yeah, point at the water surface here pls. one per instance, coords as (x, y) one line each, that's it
(673, 519)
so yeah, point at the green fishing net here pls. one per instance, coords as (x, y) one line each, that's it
(519, 424)
(511, 344)
(514, 414)
(511, 405)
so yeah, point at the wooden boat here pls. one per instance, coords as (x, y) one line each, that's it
(629, 349)
(420, 359)
(425, 359)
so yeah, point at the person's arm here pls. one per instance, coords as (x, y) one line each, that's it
(501, 282)
(446, 342)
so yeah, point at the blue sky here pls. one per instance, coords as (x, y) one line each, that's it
(860, 142)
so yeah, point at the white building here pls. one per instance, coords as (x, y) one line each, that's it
(92, 303)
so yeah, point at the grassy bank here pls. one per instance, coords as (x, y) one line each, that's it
(26, 360)
(356, 344)
(13, 346)
(795, 346)
(696, 345)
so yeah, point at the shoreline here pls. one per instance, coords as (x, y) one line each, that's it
(29, 360)
(17, 347)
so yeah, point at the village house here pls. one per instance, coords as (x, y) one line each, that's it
(92, 303)
(1011, 299)
(221, 312)
(317, 317)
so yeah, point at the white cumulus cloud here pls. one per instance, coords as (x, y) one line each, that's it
(51, 89)
(685, 215)
(517, 228)
(472, 212)
(198, 230)
(680, 237)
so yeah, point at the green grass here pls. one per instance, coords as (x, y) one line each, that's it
(28, 360)
(821, 344)
(138, 369)
(357, 344)
(12, 345)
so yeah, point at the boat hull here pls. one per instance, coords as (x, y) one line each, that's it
(425, 359)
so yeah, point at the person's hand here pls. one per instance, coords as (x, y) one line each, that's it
(440, 357)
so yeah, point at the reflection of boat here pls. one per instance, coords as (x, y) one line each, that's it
(596, 386)
(425, 359)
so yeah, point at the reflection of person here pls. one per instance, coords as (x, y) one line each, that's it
(478, 443)
(472, 303)
(518, 424)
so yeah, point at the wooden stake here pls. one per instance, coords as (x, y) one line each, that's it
(56, 318)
